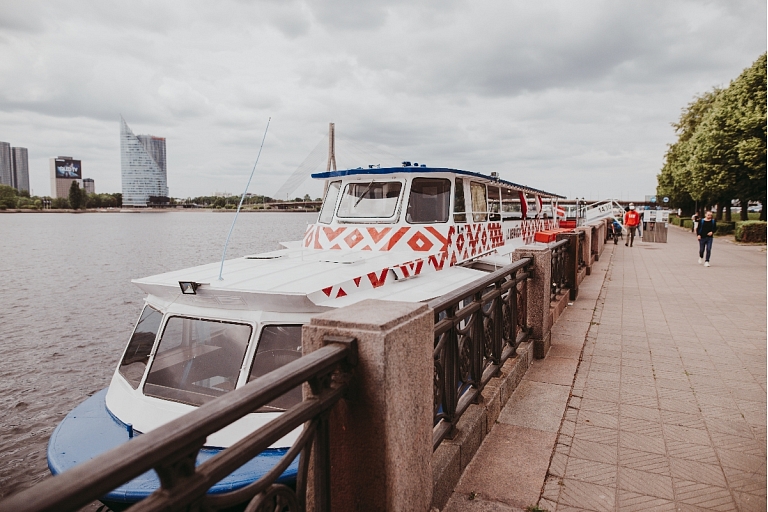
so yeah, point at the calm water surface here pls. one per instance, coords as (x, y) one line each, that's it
(67, 306)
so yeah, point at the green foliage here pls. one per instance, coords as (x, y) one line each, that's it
(75, 196)
(724, 228)
(720, 153)
(60, 203)
(751, 231)
(9, 196)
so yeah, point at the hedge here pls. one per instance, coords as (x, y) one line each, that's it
(687, 223)
(724, 228)
(751, 231)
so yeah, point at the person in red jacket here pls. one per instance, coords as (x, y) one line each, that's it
(631, 221)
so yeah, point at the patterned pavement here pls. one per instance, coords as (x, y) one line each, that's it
(668, 406)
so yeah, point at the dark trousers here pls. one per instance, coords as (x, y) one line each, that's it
(631, 240)
(705, 243)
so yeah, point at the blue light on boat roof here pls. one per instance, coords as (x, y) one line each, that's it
(407, 168)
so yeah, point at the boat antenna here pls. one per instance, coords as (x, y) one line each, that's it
(224, 254)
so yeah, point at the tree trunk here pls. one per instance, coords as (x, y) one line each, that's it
(719, 212)
(744, 209)
(762, 210)
(728, 211)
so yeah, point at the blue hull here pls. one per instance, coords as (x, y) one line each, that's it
(90, 430)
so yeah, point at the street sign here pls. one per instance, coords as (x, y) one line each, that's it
(666, 199)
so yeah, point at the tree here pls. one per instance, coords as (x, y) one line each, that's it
(9, 196)
(720, 153)
(60, 203)
(75, 196)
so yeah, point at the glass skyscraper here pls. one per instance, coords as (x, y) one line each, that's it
(142, 161)
(20, 164)
(6, 165)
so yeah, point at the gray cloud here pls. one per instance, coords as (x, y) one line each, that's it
(572, 97)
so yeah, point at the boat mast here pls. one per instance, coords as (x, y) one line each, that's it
(331, 146)
(331, 153)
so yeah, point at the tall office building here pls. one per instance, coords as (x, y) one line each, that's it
(20, 166)
(64, 170)
(89, 185)
(142, 161)
(6, 166)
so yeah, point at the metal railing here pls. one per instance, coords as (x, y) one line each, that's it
(477, 328)
(580, 250)
(559, 276)
(171, 450)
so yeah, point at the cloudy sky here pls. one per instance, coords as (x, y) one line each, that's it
(570, 97)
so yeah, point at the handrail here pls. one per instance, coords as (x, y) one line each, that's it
(580, 251)
(559, 276)
(171, 449)
(477, 328)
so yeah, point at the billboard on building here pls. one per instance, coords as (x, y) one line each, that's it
(68, 169)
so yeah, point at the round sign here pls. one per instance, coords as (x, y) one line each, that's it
(666, 199)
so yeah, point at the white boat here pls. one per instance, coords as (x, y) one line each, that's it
(408, 233)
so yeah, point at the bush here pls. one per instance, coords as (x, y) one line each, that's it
(688, 224)
(751, 231)
(724, 228)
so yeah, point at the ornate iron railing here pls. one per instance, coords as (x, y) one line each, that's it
(559, 259)
(580, 249)
(171, 450)
(477, 328)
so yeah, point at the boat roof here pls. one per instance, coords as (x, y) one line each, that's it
(299, 279)
(428, 170)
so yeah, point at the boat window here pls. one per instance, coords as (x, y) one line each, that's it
(532, 208)
(329, 203)
(197, 360)
(479, 202)
(429, 200)
(278, 346)
(459, 207)
(494, 203)
(370, 200)
(510, 205)
(546, 208)
(137, 354)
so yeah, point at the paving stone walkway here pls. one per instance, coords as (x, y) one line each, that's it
(666, 406)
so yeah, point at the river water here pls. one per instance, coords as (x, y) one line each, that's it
(67, 306)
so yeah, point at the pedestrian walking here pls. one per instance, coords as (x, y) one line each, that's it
(705, 232)
(695, 219)
(616, 229)
(631, 221)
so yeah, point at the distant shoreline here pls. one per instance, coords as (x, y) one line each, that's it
(153, 210)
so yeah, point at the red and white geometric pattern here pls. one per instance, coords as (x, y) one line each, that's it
(441, 246)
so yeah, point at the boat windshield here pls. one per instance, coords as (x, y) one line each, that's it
(278, 346)
(370, 200)
(326, 212)
(137, 354)
(197, 360)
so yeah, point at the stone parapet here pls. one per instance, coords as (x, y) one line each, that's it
(585, 246)
(381, 433)
(538, 289)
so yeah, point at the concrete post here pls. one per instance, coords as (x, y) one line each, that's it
(598, 239)
(539, 287)
(381, 435)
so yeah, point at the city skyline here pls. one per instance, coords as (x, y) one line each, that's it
(578, 99)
